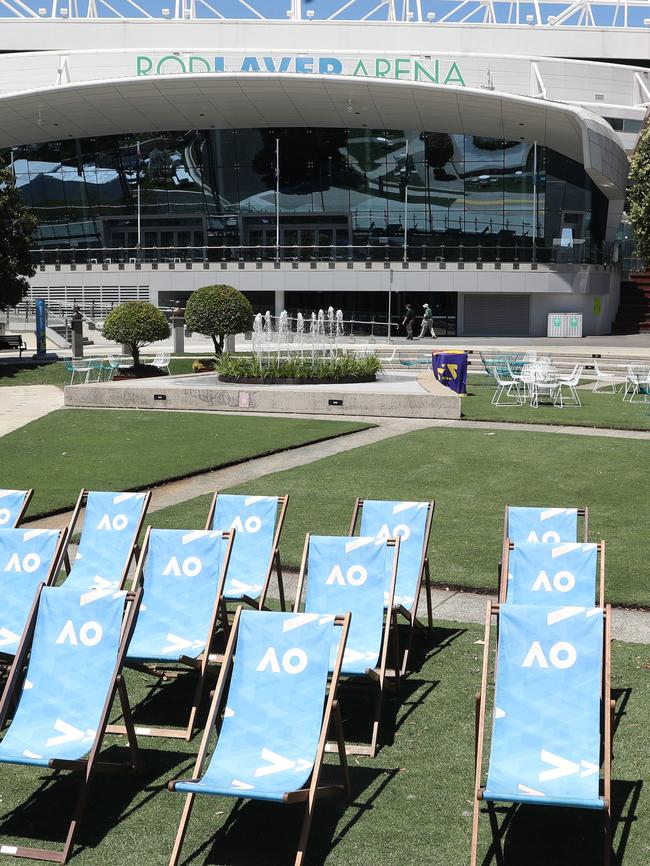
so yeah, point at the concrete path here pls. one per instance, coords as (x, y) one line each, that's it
(20, 404)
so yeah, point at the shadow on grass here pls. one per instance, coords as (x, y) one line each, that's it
(545, 835)
(255, 833)
(44, 815)
(11, 368)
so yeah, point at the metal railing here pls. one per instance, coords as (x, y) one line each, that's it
(487, 251)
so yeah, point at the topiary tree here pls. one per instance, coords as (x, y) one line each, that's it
(136, 324)
(216, 311)
(17, 227)
(639, 196)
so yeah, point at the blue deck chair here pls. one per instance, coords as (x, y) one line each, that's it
(258, 522)
(28, 557)
(550, 525)
(349, 574)
(111, 525)
(72, 648)
(553, 574)
(411, 521)
(182, 575)
(276, 717)
(13, 504)
(552, 713)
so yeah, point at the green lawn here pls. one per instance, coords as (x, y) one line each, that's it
(411, 805)
(472, 474)
(125, 450)
(598, 410)
(56, 373)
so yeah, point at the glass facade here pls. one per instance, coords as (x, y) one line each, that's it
(343, 194)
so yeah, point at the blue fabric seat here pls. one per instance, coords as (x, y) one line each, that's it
(13, 504)
(182, 574)
(28, 557)
(73, 649)
(348, 573)
(548, 722)
(111, 526)
(257, 521)
(411, 522)
(552, 574)
(551, 525)
(272, 738)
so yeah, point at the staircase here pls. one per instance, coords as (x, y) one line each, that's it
(633, 314)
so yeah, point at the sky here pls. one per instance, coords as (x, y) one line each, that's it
(323, 9)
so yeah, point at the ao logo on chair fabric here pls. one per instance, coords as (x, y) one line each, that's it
(69, 673)
(272, 721)
(409, 521)
(551, 574)
(11, 502)
(249, 557)
(26, 558)
(348, 574)
(548, 525)
(546, 728)
(181, 574)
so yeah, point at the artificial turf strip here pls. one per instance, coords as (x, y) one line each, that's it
(66, 450)
(601, 409)
(411, 805)
(471, 474)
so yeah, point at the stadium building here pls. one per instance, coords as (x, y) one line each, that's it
(471, 154)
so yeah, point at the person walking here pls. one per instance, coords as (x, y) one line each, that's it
(427, 323)
(409, 318)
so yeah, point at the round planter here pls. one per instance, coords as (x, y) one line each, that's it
(345, 380)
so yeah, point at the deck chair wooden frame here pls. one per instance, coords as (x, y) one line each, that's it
(607, 727)
(166, 671)
(89, 765)
(23, 508)
(379, 675)
(307, 795)
(82, 499)
(274, 560)
(410, 614)
(503, 575)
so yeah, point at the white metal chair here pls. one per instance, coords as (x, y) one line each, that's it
(83, 367)
(161, 360)
(505, 384)
(634, 379)
(571, 382)
(603, 379)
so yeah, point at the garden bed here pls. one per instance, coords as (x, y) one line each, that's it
(283, 380)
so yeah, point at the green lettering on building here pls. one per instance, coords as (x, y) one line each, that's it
(422, 70)
(402, 73)
(454, 76)
(360, 65)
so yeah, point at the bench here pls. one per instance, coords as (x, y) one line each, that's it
(12, 341)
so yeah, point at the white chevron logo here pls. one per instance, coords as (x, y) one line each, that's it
(176, 644)
(7, 637)
(404, 506)
(351, 655)
(361, 541)
(189, 537)
(69, 734)
(280, 764)
(102, 587)
(561, 767)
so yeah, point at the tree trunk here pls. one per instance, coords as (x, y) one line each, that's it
(217, 345)
(135, 352)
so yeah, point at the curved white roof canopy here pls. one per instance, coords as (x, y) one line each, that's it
(240, 100)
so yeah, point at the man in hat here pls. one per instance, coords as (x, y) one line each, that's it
(407, 322)
(427, 323)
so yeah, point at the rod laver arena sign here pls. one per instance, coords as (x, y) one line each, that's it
(432, 70)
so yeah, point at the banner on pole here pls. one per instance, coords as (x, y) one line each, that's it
(450, 368)
(41, 348)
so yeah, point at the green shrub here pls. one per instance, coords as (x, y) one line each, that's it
(216, 311)
(201, 364)
(240, 367)
(136, 324)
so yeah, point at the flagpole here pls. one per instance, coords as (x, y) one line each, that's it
(139, 208)
(277, 199)
(406, 200)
